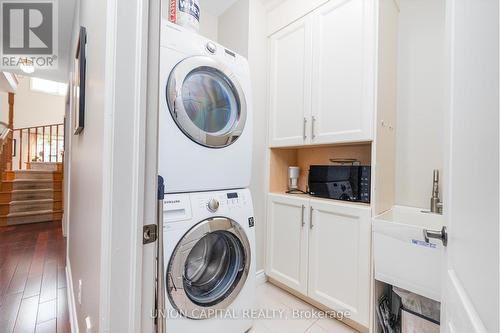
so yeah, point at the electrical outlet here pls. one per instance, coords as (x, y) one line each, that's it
(79, 293)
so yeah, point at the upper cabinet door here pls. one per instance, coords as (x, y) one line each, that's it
(287, 239)
(290, 84)
(339, 258)
(343, 71)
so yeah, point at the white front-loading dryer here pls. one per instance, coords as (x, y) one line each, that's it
(205, 116)
(209, 254)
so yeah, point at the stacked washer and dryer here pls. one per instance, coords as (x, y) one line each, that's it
(205, 152)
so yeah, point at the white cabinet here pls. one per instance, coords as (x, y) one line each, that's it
(287, 238)
(321, 248)
(289, 84)
(322, 76)
(339, 258)
(343, 71)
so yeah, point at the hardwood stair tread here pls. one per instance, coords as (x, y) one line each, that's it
(34, 201)
(34, 171)
(32, 213)
(32, 190)
(32, 180)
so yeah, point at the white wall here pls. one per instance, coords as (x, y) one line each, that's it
(257, 57)
(33, 108)
(421, 102)
(209, 25)
(233, 27)
(4, 107)
(85, 220)
(242, 28)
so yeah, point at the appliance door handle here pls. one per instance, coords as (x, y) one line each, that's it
(303, 223)
(311, 224)
(304, 128)
(435, 234)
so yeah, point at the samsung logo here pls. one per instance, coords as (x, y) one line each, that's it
(172, 201)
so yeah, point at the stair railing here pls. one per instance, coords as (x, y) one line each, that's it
(38, 144)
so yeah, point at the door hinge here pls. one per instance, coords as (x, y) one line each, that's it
(149, 233)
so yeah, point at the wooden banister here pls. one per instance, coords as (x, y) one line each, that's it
(6, 148)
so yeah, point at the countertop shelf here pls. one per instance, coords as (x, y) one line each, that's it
(331, 201)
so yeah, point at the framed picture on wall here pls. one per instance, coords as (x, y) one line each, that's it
(79, 83)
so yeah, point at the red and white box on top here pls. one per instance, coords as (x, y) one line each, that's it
(185, 13)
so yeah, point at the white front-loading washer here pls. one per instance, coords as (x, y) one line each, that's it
(205, 116)
(209, 260)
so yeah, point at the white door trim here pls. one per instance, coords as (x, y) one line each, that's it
(123, 164)
(70, 295)
(467, 315)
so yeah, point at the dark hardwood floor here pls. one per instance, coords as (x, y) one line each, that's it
(33, 279)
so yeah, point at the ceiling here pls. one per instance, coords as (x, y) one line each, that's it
(66, 12)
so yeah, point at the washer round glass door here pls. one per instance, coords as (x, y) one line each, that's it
(208, 268)
(206, 102)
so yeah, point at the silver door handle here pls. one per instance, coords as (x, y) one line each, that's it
(304, 129)
(311, 225)
(312, 127)
(435, 234)
(303, 221)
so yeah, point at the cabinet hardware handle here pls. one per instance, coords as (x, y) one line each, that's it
(303, 221)
(311, 224)
(304, 129)
(313, 136)
(437, 234)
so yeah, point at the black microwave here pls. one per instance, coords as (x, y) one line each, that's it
(340, 182)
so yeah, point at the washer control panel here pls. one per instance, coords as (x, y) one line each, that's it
(220, 202)
(182, 208)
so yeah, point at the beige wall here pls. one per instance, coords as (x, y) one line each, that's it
(33, 108)
(421, 101)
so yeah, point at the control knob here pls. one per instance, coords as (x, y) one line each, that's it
(211, 47)
(213, 205)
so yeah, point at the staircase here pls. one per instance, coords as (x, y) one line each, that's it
(31, 196)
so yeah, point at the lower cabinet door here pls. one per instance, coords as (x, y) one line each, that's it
(339, 258)
(287, 238)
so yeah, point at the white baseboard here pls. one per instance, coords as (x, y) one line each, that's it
(71, 299)
(260, 277)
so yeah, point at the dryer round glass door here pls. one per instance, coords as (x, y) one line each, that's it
(208, 268)
(206, 102)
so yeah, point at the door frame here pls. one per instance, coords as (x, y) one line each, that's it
(123, 202)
